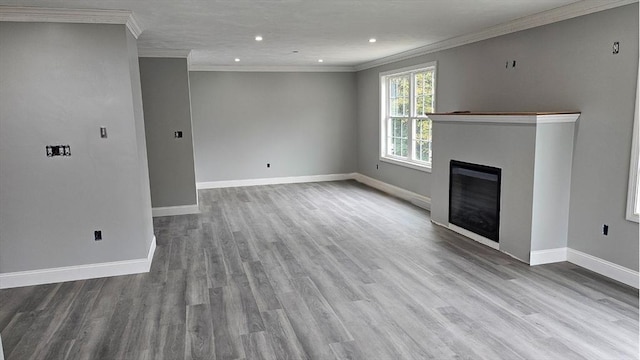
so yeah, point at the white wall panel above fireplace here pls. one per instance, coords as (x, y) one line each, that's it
(534, 151)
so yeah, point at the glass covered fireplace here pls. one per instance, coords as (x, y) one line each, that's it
(474, 198)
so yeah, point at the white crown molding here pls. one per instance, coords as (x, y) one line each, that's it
(78, 272)
(570, 11)
(134, 26)
(164, 53)
(322, 68)
(73, 16)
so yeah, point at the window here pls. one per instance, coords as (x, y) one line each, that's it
(633, 198)
(405, 133)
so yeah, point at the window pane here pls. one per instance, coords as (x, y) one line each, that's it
(397, 128)
(404, 128)
(393, 105)
(423, 92)
(399, 96)
(403, 145)
(423, 129)
(423, 151)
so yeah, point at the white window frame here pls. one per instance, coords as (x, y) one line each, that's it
(633, 196)
(384, 77)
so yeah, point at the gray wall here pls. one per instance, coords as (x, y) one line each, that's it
(300, 123)
(167, 108)
(58, 84)
(562, 66)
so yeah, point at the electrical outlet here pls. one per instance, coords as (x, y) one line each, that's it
(376, 166)
(268, 165)
(177, 134)
(616, 47)
(58, 150)
(605, 229)
(97, 235)
(103, 132)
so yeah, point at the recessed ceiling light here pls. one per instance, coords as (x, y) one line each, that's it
(237, 60)
(320, 60)
(372, 40)
(258, 38)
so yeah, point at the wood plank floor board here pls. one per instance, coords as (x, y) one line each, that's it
(88, 339)
(199, 337)
(171, 343)
(18, 327)
(261, 288)
(324, 315)
(225, 346)
(283, 338)
(331, 270)
(257, 346)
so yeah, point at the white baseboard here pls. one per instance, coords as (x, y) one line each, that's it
(416, 199)
(175, 210)
(604, 267)
(78, 272)
(548, 256)
(272, 181)
(475, 237)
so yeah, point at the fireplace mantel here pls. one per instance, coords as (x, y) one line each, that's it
(534, 150)
(507, 117)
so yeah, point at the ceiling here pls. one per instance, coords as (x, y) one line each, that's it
(300, 32)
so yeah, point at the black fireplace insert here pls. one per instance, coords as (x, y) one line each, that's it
(474, 198)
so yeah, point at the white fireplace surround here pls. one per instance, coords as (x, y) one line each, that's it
(534, 151)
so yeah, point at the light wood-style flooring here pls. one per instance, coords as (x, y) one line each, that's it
(330, 270)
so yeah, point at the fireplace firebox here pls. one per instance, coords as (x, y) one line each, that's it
(474, 198)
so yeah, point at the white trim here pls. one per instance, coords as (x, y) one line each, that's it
(473, 236)
(548, 256)
(272, 181)
(73, 16)
(134, 26)
(163, 53)
(414, 198)
(195, 66)
(633, 191)
(573, 10)
(557, 118)
(506, 119)
(604, 267)
(78, 272)
(175, 210)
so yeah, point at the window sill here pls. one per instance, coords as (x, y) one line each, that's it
(407, 164)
